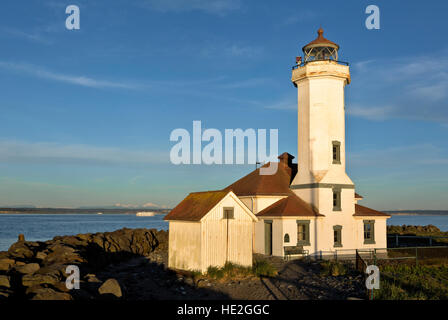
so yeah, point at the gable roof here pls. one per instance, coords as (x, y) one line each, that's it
(290, 206)
(361, 211)
(276, 184)
(196, 205)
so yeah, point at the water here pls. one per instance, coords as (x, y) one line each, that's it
(42, 227)
(439, 221)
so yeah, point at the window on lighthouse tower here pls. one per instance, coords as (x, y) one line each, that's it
(336, 152)
(336, 200)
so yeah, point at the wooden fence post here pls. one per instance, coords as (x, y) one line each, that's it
(416, 256)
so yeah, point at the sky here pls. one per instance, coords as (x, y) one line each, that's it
(86, 115)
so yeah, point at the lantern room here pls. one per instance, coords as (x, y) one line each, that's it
(320, 49)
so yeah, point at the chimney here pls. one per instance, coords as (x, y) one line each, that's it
(286, 159)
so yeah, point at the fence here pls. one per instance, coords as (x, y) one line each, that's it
(396, 240)
(413, 255)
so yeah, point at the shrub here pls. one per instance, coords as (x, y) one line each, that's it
(332, 268)
(264, 268)
(215, 273)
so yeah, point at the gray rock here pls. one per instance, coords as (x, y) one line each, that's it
(20, 250)
(353, 298)
(41, 255)
(61, 254)
(28, 268)
(91, 278)
(30, 280)
(50, 294)
(5, 281)
(6, 264)
(4, 294)
(111, 286)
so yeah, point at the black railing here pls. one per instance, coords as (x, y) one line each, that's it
(304, 63)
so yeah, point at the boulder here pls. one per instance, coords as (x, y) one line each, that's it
(111, 287)
(91, 278)
(28, 268)
(50, 294)
(4, 294)
(62, 254)
(41, 255)
(5, 282)
(20, 250)
(6, 264)
(30, 280)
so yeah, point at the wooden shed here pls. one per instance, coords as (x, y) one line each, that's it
(209, 229)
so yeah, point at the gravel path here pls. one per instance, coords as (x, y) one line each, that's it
(147, 278)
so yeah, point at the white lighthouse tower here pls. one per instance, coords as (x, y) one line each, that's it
(320, 80)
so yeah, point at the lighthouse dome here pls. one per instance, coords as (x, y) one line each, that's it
(320, 49)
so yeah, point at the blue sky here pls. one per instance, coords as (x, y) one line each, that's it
(86, 115)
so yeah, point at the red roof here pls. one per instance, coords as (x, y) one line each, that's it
(320, 40)
(276, 184)
(290, 206)
(361, 211)
(358, 196)
(196, 205)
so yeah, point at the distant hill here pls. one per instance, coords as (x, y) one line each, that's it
(419, 212)
(78, 210)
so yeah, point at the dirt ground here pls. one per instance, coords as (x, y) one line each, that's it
(146, 278)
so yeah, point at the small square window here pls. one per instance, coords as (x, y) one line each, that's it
(228, 213)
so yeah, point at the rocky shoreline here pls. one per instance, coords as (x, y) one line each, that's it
(37, 270)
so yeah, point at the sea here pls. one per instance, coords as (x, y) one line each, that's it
(42, 227)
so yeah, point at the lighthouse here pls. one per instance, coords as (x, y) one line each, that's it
(320, 79)
(308, 208)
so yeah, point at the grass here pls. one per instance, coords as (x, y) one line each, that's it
(234, 271)
(263, 268)
(228, 271)
(332, 268)
(411, 282)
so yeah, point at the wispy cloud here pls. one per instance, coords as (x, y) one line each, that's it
(371, 112)
(30, 36)
(14, 151)
(301, 16)
(216, 7)
(287, 104)
(246, 83)
(230, 50)
(191, 86)
(84, 81)
(413, 88)
(399, 156)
